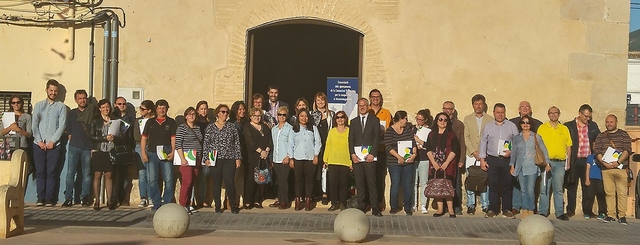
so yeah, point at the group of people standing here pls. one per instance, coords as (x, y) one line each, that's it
(322, 150)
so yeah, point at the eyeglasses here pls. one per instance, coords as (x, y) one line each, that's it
(340, 117)
(448, 109)
(224, 112)
(282, 115)
(555, 112)
(121, 103)
(143, 109)
(587, 117)
(419, 119)
(525, 122)
(16, 102)
(442, 119)
(256, 116)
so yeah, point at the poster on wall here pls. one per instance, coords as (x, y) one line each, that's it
(342, 95)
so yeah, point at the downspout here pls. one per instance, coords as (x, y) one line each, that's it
(72, 34)
(91, 58)
(115, 23)
(105, 59)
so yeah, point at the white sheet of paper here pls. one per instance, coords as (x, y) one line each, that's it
(7, 119)
(162, 155)
(383, 124)
(114, 127)
(363, 151)
(213, 157)
(189, 155)
(324, 180)
(423, 133)
(142, 122)
(471, 161)
(503, 145)
(404, 148)
(612, 155)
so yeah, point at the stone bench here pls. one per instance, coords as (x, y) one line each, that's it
(13, 179)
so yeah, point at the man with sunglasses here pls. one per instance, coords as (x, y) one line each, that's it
(127, 113)
(79, 149)
(524, 109)
(583, 133)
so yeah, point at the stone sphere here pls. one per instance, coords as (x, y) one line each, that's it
(171, 220)
(351, 225)
(536, 229)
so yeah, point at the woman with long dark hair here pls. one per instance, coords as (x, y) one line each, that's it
(22, 124)
(422, 130)
(147, 111)
(204, 177)
(323, 119)
(238, 116)
(305, 147)
(102, 143)
(443, 150)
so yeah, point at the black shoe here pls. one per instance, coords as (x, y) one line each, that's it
(609, 219)
(458, 211)
(332, 208)
(409, 213)
(85, 202)
(325, 201)
(249, 207)
(218, 210)
(570, 214)
(67, 203)
(623, 221)
(394, 211)
(471, 210)
(258, 205)
(485, 210)
(438, 215)
(563, 217)
(378, 214)
(452, 215)
(342, 207)
(235, 210)
(276, 204)
(40, 202)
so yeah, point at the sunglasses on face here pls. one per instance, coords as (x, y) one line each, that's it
(224, 112)
(143, 109)
(121, 103)
(442, 119)
(15, 102)
(282, 115)
(525, 122)
(340, 117)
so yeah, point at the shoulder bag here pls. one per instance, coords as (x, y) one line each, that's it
(476, 179)
(262, 176)
(539, 159)
(122, 155)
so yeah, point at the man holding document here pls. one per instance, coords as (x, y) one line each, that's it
(363, 146)
(612, 149)
(495, 150)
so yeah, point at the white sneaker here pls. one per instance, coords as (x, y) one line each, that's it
(424, 209)
(143, 203)
(192, 209)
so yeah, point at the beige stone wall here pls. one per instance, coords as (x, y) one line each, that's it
(419, 53)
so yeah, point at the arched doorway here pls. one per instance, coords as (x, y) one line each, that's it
(298, 55)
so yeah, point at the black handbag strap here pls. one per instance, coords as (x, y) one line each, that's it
(194, 134)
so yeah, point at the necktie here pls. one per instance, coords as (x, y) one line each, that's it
(362, 124)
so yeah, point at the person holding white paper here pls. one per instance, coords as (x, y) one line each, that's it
(494, 159)
(188, 140)
(21, 122)
(422, 130)
(147, 112)
(223, 137)
(614, 178)
(159, 138)
(102, 142)
(401, 152)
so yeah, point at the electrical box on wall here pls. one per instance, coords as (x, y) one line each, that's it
(134, 96)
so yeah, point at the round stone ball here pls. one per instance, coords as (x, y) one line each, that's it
(536, 229)
(351, 225)
(171, 221)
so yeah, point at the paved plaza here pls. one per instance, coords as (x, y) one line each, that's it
(128, 225)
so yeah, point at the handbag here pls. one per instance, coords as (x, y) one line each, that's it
(439, 187)
(262, 176)
(476, 179)
(539, 159)
(122, 155)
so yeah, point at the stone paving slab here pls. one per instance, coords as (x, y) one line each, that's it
(321, 223)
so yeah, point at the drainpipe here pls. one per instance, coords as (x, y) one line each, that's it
(113, 85)
(91, 58)
(72, 34)
(105, 59)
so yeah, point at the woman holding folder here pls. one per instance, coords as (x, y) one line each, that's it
(189, 148)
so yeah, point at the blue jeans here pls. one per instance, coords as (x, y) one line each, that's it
(484, 197)
(527, 185)
(516, 197)
(143, 175)
(155, 166)
(555, 179)
(402, 175)
(74, 155)
(422, 176)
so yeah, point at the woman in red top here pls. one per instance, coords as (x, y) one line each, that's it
(443, 150)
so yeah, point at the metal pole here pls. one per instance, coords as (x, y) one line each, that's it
(91, 58)
(105, 59)
(115, 23)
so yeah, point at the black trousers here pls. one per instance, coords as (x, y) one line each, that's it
(338, 184)
(252, 191)
(225, 169)
(381, 177)
(119, 179)
(365, 174)
(304, 170)
(595, 190)
(578, 170)
(282, 173)
(457, 198)
(500, 186)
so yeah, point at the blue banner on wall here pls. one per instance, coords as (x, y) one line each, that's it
(342, 94)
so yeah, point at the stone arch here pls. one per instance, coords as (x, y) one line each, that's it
(229, 82)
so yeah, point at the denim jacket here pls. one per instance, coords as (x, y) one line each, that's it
(280, 139)
(304, 145)
(523, 154)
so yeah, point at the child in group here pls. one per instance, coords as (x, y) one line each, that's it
(594, 189)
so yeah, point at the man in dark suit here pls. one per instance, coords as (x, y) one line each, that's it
(364, 131)
(583, 133)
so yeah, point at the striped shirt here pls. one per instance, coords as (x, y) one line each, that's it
(620, 139)
(391, 138)
(189, 138)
